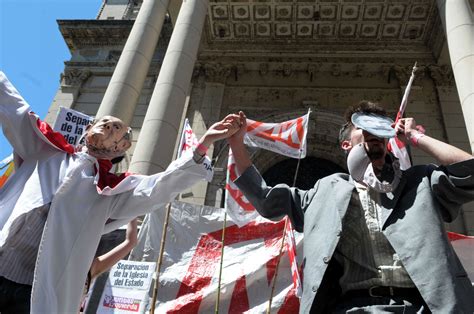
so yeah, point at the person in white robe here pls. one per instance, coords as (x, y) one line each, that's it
(59, 201)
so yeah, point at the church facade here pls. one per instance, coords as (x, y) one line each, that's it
(154, 63)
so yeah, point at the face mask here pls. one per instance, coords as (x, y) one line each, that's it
(362, 171)
(99, 153)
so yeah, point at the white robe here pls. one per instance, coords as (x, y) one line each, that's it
(79, 210)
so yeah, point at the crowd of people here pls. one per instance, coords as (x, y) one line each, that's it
(375, 239)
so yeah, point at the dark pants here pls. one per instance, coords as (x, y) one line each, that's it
(14, 297)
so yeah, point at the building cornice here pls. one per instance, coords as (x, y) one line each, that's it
(94, 33)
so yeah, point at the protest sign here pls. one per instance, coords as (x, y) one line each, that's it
(71, 124)
(127, 287)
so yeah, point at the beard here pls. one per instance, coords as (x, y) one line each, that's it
(375, 152)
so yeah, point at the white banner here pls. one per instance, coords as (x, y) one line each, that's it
(72, 124)
(127, 287)
(190, 270)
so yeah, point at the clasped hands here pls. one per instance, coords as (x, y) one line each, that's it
(232, 125)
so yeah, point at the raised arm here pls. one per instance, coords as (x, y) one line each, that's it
(107, 260)
(154, 191)
(270, 202)
(452, 182)
(17, 123)
(236, 143)
(444, 153)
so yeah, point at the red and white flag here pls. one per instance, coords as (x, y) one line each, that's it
(190, 270)
(286, 138)
(238, 207)
(291, 249)
(187, 142)
(397, 147)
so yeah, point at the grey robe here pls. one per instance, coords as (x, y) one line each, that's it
(412, 222)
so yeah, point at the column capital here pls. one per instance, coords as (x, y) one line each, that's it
(403, 73)
(217, 72)
(442, 75)
(74, 77)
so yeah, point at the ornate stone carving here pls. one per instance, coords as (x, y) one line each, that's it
(372, 24)
(359, 70)
(263, 68)
(238, 69)
(336, 69)
(385, 70)
(217, 72)
(312, 70)
(287, 69)
(441, 75)
(74, 77)
(197, 71)
(403, 74)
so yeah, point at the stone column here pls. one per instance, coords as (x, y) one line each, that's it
(124, 89)
(458, 22)
(157, 139)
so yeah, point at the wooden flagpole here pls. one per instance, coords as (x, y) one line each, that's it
(160, 258)
(284, 234)
(221, 263)
(281, 247)
(218, 299)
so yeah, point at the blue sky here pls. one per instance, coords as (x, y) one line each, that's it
(32, 50)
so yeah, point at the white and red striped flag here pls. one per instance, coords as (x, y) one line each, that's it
(291, 248)
(189, 274)
(287, 138)
(187, 142)
(397, 147)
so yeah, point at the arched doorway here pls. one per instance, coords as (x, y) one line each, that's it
(311, 169)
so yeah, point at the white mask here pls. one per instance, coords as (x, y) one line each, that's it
(362, 171)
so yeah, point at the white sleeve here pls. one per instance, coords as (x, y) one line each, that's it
(17, 122)
(154, 191)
